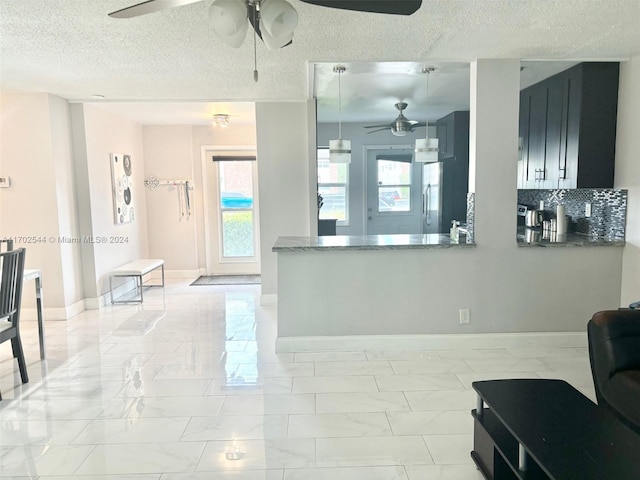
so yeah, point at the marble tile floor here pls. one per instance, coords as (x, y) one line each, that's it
(188, 386)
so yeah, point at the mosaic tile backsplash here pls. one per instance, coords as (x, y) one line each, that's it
(471, 213)
(608, 209)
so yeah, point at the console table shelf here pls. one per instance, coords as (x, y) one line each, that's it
(501, 448)
(535, 429)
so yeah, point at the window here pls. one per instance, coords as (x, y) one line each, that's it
(237, 208)
(333, 185)
(394, 186)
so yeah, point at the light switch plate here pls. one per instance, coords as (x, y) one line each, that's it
(5, 182)
(587, 210)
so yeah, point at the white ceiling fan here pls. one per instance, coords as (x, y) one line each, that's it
(274, 21)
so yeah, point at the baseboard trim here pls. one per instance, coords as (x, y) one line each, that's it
(182, 274)
(356, 343)
(53, 313)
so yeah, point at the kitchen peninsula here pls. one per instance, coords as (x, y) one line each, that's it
(378, 292)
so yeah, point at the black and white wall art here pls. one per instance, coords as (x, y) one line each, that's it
(122, 184)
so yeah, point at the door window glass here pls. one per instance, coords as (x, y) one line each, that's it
(394, 186)
(236, 205)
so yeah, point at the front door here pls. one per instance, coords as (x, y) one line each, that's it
(232, 213)
(393, 192)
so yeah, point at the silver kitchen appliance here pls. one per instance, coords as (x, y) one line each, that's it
(533, 218)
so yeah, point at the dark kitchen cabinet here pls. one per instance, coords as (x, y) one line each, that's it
(454, 155)
(445, 128)
(568, 128)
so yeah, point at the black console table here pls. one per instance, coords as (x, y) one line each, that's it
(546, 429)
(327, 226)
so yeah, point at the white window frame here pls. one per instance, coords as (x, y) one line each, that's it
(345, 184)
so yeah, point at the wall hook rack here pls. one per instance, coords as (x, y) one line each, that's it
(152, 183)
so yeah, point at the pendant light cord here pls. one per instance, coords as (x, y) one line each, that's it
(428, 71)
(339, 69)
(255, 48)
(339, 106)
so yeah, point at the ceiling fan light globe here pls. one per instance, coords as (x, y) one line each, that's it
(274, 43)
(278, 18)
(398, 133)
(229, 20)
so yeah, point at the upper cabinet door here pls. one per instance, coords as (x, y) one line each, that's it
(554, 132)
(523, 141)
(445, 131)
(568, 129)
(537, 170)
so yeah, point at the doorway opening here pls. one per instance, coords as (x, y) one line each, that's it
(231, 211)
(394, 193)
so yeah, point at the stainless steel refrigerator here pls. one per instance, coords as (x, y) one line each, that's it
(432, 198)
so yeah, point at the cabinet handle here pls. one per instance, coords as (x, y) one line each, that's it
(540, 174)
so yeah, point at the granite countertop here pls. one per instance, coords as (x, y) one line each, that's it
(368, 242)
(527, 237)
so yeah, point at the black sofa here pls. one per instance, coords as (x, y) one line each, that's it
(614, 352)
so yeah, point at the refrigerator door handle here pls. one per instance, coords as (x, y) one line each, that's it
(427, 195)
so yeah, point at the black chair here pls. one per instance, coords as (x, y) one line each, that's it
(8, 243)
(11, 272)
(614, 352)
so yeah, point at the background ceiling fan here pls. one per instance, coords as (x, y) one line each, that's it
(273, 20)
(401, 125)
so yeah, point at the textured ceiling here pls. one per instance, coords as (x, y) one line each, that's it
(71, 48)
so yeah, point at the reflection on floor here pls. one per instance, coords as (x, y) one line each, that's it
(189, 387)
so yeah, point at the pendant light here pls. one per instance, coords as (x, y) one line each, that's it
(426, 150)
(339, 150)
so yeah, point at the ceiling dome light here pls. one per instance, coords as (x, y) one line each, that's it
(221, 120)
(278, 20)
(229, 21)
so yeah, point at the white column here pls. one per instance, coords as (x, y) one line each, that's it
(628, 174)
(493, 149)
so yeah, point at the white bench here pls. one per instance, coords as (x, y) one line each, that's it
(136, 269)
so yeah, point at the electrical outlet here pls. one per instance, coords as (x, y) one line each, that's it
(587, 210)
(464, 316)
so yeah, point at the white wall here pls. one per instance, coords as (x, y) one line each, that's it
(35, 152)
(284, 185)
(168, 154)
(98, 133)
(628, 174)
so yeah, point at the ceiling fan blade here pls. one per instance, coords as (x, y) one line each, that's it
(393, 7)
(379, 130)
(385, 125)
(150, 6)
(417, 124)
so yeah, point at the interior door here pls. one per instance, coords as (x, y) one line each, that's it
(232, 213)
(394, 192)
